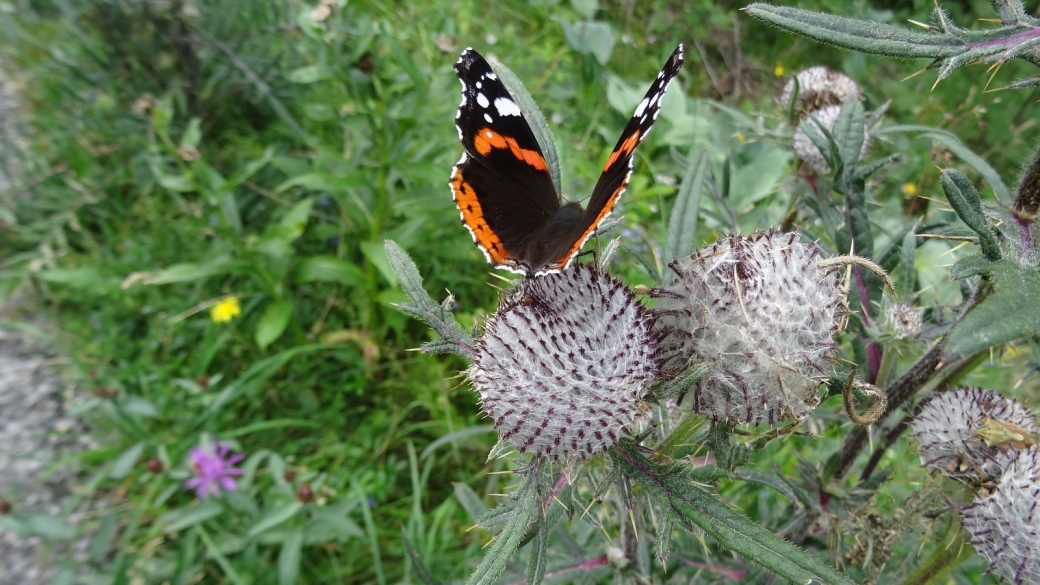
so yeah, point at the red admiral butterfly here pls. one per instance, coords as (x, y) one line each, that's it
(503, 189)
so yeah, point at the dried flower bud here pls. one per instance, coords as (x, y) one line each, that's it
(143, 105)
(305, 494)
(1004, 525)
(806, 149)
(759, 314)
(947, 432)
(5, 507)
(188, 153)
(202, 382)
(289, 475)
(564, 362)
(819, 87)
(154, 465)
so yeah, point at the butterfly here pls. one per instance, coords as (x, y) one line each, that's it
(502, 185)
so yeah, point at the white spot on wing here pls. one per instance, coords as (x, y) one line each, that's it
(491, 75)
(482, 100)
(479, 85)
(487, 117)
(640, 108)
(506, 107)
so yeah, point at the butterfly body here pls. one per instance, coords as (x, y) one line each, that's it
(502, 186)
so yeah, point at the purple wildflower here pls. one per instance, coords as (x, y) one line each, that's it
(213, 469)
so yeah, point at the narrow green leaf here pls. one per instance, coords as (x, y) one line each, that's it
(328, 269)
(182, 518)
(1007, 315)
(964, 199)
(309, 74)
(275, 517)
(192, 134)
(375, 254)
(850, 132)
(189, 271)
(907, 277)
(126, 461)
(496, 556)
(422, 306)
(732, 529)
(682, 225)
(470, 501)
(858, 35)
(272, 323)
(958, 148)
(289, 558)
(45, 526)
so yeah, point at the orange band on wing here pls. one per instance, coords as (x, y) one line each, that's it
(473, 219)
(487, 139)
(626, 148)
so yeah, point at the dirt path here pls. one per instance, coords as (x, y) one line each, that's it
(36, 431)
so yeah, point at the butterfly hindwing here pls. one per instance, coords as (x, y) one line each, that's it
(618, 168)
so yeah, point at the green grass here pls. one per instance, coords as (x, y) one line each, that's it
(315, 143)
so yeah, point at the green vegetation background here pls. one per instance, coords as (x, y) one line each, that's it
(280, 152)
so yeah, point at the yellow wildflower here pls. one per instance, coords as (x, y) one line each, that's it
(225, 310)
(779, 70)
(910, 189)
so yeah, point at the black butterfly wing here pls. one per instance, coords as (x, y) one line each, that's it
(618, 168)
(501, 184)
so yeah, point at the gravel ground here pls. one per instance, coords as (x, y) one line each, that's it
(36, 431)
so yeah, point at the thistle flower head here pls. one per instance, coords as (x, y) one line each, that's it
(564, 362)
(901, 321)
(1005, 525)
(819, 87)
(948, 429)
(213, 465)
(759, 314)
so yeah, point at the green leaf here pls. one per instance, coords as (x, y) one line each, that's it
(1007, 315)
(192, 134)
(964, 199)
(87, 279)
(126, 461)
(182, 518)
(329, 269)
(309, 74)
(682, 225)
(754, 181)
(44, 526)
(289, 558)
(732, 529)
(374, 253)
(275, 517)
(470, 501)
(272, 323)
(422, 306)
(138, 406)
(189, 271)
(849, 133)
(954, 145)
(590, 37)
(497, 555)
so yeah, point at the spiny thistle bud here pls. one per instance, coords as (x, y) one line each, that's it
(954, 438)
(564, 362)
(1004, 525)
(901, 321)
(819, 87)
(760, 316)
(806, 149)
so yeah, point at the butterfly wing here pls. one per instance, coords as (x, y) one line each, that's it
(501, 184)
(618, 168)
